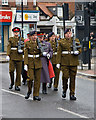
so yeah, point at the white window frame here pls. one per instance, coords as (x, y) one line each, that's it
(4, 2)
(18, 2)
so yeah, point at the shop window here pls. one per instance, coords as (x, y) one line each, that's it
(34, 2)
(79, 6)
(18, 2)
(4, 2)
(31, 27)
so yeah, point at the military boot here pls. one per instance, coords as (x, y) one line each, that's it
(64, 94)
(28, 95)
(17, 88)
(36, 98)
(11, 86)
(55, 89)
(44, 88)
(72, 97)
(50, 84)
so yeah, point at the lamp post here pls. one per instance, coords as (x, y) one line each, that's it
(22, 15)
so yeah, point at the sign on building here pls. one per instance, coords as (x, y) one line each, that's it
(27, 17)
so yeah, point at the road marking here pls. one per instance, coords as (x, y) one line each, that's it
(14, 93)
(62, 109)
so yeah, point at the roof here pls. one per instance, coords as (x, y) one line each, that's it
(43, 7)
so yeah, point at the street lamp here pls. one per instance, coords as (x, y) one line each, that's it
(22, 15)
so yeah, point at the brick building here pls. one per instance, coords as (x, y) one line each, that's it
(10, 16)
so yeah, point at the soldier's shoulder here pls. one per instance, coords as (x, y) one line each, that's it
(11, 38)
(60, 41)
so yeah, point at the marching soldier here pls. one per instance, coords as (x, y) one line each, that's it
(68, 58)
(54, 43)
(15, 57)
(33, 65)
(46, 56)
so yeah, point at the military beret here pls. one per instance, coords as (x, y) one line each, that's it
(40, 34)
(67, 30)
(32, 33)
(16, 29)
(50, 34)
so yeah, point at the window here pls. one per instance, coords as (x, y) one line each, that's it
(60, 12)
(79, 6)
(34, 2)
(4, 2)
(18, 2)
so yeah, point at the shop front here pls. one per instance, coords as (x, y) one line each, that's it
(5, 22)
(30, 19)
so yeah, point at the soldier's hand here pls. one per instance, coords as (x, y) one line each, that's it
(7, 58)
(44, 53)
(76, 52)
(58, 66)
(25, 67)
(48, 56)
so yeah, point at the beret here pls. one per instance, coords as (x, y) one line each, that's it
(67, 30)
(16, 29)
(50, 34)
(32, 33)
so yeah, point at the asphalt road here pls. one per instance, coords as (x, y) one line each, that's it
(52, 105)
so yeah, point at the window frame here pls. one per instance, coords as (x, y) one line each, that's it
(5, 2)
(18, 2)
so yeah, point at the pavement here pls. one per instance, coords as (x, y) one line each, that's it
(84, 72)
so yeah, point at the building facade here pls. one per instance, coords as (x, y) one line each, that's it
(51, 17)
(79, 17)
(10, 16)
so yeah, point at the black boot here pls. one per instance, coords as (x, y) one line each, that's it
(11, 86)
(50, 84)
(36, 98)
(17, 88)
(72, 97)
(24, 81)
(28, 95)
(44, 89)
(55, 89)
(64, 94)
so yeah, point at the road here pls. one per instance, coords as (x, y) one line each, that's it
(52, 105)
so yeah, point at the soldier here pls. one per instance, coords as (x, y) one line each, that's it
(54, 43)
(33, 65)
(69, 61)
(15, 57)
(47, 55)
